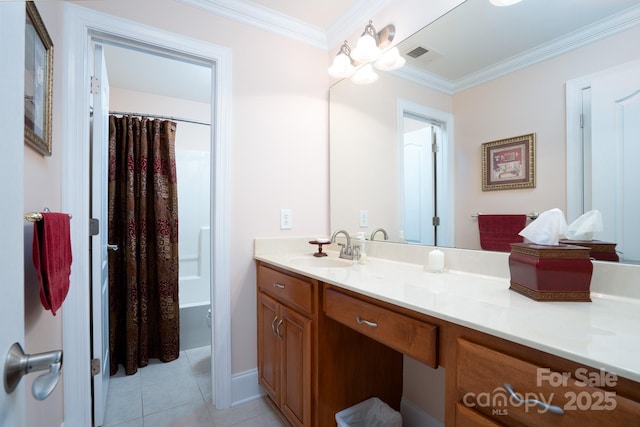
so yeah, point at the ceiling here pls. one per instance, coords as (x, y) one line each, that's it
(496, 37)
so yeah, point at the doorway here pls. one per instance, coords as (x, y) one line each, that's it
(603, 110)
(141, 82)
(82, 28)
(425, 137)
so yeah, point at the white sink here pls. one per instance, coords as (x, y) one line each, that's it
(320, 262)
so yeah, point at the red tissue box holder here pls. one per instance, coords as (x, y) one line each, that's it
(551, 273)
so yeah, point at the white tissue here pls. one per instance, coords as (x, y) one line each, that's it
(584, 227)
(547, 229)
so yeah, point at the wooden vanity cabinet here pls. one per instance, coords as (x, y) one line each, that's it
(285, 359)
(322, 348)
(285, 312)
(577, 395)
(310, 365)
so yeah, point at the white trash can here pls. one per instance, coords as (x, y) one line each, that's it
(372, 412)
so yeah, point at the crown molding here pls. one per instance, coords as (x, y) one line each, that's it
(269, 20)
(265, 19)
(424, 78)
(353, 19)
(275, 22)
(605, 28)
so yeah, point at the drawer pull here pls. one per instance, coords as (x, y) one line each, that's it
(273, 326)
(278, 285)
(551, 408)
(278, 329)
(366, 322)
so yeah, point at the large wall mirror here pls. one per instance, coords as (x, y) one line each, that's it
(405, 151)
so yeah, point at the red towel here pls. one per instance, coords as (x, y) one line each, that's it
(51, 253)
(497, 231)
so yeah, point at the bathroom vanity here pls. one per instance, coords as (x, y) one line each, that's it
(332, 333)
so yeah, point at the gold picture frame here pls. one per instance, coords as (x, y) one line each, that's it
(509, 163)
(38, 82)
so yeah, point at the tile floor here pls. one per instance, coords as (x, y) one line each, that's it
(178, 394)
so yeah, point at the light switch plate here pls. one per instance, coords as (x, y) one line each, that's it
(364, 218)
(285, 219)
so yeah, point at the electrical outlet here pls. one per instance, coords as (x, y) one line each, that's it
(364, 218)
(285, 219)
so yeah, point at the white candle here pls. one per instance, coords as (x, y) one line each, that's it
(436, 260)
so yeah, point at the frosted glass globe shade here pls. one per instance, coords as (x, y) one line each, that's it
(365, 75)
(390, 60)
(341, 67)
(366, 49)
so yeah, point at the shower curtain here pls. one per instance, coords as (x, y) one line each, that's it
(144, 313)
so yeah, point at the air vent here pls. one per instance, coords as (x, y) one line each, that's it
(417, 52)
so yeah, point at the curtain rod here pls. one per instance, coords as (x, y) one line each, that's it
(156, 116)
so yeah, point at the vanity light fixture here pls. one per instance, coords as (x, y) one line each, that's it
(367, 49)
(342, 66)
(371, 50)
(364, 75)
(504, 2)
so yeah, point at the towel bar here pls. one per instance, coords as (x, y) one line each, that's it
(35, 216)
(530, 215)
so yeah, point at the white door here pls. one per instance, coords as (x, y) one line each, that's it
(615, 143)
(419, 182)
(99, 255)
(12, 28)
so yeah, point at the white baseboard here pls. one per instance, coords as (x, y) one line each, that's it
(245, 387)
(413, 416)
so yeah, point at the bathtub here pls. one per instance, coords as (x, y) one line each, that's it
(194, 295)
(194, 328)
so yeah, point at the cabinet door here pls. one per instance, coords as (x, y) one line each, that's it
(296, 367)
(268, 345)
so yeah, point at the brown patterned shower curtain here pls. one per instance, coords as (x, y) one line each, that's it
(144, 313)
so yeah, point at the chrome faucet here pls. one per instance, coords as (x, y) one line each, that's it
(346, 251)
(384, 233)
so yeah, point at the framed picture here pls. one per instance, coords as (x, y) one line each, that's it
(38, 80)
(509, 163)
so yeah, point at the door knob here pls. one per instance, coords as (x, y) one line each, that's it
(19, 364)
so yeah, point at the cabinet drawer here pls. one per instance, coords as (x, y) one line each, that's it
(402, 333)
(482, 374)
(467, 417)
(287, 289)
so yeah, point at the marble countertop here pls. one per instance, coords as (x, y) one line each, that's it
(604, 333)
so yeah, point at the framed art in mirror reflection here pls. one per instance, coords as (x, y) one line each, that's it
(509, 163)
